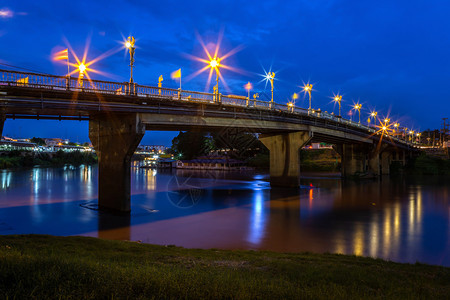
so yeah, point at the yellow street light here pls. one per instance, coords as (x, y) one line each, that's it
(338, 98)
(358, 108)
(294, 98)
(374, 114)
(270, 76)
(214, 63)
(255, 96)
(248, 87)
(396, 126)
(129, 44)
(291, 106)
(81, 68)
(307, 88)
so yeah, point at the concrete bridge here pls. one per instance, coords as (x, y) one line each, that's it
(120, 113)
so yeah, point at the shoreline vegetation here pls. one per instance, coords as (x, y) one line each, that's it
(26, 159)
(42, 266)
(318, 160)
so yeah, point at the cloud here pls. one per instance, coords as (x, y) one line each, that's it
(6, 13)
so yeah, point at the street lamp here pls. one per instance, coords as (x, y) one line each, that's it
(307, 88)
(130, 46)
(214, 63)
(81, 68)
(411, 134)
(255, 96)
(270, 76)
(358, 108)
(396, 126)
(338, 99)
(374, 114)
(248, 87)
(291, 106)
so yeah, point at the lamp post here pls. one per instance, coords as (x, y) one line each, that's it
(255, 96)
(411, 134)
(248, 87)
(81, 69)
(130, 46)
(160, 80)
(270, 76)
(308, 88)
(291, 106)
(396, 126)
(338, 99)
(358, 108)
(214, 63)
(374, 116)
(294, 99)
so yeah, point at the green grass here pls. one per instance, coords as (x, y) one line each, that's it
(36, 266)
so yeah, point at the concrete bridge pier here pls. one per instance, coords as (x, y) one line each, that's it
(115, 137)
(353, 159)
(358, 159)
(386, 160)
(285, 157)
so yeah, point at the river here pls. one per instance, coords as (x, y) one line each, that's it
(398, 219)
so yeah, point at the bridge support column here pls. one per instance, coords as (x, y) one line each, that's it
(115, 137)
(386, 159)
(285, 157)
(353, 159)
(374, 163)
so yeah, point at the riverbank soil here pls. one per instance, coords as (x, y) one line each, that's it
(36, 266)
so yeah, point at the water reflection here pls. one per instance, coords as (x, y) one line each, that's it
(257, 223)
(405, 220)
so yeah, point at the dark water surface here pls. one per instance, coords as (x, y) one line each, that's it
(404, 220)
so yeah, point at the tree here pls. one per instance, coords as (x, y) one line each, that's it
(38, 141)
(241, 145)
(190, 144)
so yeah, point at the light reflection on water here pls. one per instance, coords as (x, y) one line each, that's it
(396, 219)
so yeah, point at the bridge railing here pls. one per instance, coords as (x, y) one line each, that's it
(44, 81)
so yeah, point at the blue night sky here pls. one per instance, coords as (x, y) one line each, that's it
(391, 56)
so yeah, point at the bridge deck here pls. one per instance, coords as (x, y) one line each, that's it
(29, 95)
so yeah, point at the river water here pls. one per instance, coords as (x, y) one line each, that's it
(398, 219)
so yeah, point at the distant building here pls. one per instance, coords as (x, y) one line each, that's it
(8, 145)
(55, 142)
(152, 148)
(211, 163)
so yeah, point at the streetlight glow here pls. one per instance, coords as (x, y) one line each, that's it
(129, 44)
(213, 63)
(338, 99)
(307, 88)
(82, 68)
(358, 108)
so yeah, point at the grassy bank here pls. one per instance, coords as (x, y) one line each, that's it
(17, 159)
(428, 165)
(86, 268)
